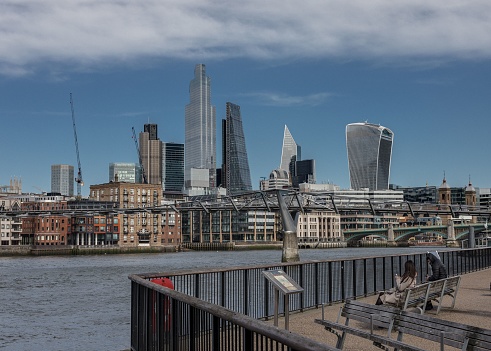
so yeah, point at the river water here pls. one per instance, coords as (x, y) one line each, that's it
(82, 303)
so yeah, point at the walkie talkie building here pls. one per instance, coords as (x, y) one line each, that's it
(369, 149)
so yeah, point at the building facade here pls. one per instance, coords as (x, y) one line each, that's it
(369, 148)
(62, 179)
(222, 226)
(140, 226)
(48, 229)
(172, 167)
(151, 154)
(236, 176)
(200, 132)
(124, 172)
(318, 227)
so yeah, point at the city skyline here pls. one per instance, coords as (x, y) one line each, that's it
(308, 67)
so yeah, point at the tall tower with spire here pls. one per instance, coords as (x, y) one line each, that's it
(445, 198)
(470, 198)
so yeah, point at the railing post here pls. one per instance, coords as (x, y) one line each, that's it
(246, 292)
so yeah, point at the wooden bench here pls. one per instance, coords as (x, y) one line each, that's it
(460, 336)
(382, 316)
(432, 291)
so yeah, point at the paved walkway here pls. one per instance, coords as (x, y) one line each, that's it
(473, 307)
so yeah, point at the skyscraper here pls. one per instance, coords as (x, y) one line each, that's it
(200, 132)
(172, 166)
(290, 152)
(62, 178)
(151, 154)
(369, 149)
(236, 176)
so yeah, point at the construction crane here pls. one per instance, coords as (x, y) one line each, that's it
(144, 177)
(78, 179)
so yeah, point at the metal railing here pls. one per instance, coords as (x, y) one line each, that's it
(227, 303)
(164, 319)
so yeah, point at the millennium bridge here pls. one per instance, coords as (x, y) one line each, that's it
(289, 203)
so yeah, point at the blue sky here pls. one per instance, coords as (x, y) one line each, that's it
(420, 68)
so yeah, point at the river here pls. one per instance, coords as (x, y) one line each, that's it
(82, 303)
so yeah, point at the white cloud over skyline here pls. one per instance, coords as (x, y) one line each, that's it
(87, 33)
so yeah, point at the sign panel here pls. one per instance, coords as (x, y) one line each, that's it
(282, 281)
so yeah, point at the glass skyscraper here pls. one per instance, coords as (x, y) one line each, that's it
(172, 166)
(236, 176)
(290, 152)
(369, 149)
(200, 129)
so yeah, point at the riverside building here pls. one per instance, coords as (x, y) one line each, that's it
(142, 227)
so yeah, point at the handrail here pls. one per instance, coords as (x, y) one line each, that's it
(285, 337)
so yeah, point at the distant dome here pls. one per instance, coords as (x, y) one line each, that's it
(470, 188)
(444, 184)
(279, 174)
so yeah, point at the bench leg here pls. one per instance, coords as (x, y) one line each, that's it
(340, 343)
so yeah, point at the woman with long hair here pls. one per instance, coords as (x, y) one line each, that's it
(407, 280)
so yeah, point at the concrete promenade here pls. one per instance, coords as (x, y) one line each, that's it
(473, 307)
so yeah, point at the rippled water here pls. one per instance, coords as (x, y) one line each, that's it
(83, 302)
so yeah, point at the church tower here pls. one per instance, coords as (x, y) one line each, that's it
(470, 199)
(444, 198)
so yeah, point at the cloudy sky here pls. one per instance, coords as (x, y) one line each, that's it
(420, 68)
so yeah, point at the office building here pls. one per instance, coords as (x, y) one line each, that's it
(304, 173)
(369, 149)
(124, 172)
(200, 134)
(236, 177)
(151, 154)
(62, 179)
(172, 166)
(290, 152)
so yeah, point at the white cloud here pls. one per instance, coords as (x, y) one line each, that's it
(88, 33)
(278, 99)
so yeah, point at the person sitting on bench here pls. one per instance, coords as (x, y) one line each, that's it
(438, 271)
(407, 280)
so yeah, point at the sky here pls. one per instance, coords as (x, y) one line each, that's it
(419, 68)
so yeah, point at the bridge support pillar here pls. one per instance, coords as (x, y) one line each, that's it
(451, 242)
(472, 238)
(290, 240)
(390, 236)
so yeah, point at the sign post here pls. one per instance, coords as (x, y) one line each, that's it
(287, 286)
